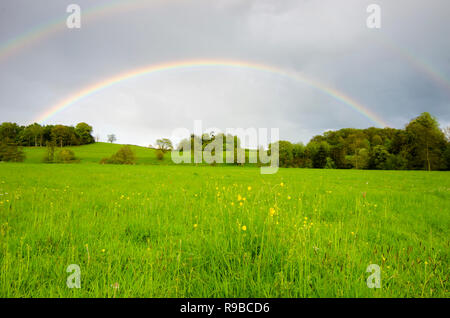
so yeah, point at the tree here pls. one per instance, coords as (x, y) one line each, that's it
(10, 151)
(329, 164)
(376, 140)
(124, 156)
(164, 144)
(61, 135)
(83, 132)
(31, 135)
(447, 156)
(446, 132)
(10, 132)
(318, 153)
(285, 151)
(112, 138)
(66, 156)
(426, 143)
(159, 154)
(298, 154)
(360, 159)
(378, 157)
(50, 154)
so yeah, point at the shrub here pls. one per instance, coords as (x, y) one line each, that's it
(159, 154)
(330, 164)
(50, 155)
(66, 156)
(124, 156)
(11, 152)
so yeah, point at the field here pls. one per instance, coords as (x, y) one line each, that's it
(187, 231)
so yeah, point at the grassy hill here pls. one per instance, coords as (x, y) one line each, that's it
(93, 153)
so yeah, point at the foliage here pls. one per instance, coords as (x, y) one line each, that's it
(124, 156)
(111, 138)
(10, 151)
(37, 135)
(66, 156)
(164, 144)
(159, 154)
(50, 154)
(329, 164)
(421, 145)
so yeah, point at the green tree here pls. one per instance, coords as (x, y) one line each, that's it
(298, 154)
(124, 156)
(378, 157)
(318, 153)
(61, 135)
(10, 132)
(10, 151)
(50, 153)
(329, 164)
(426, 143)
(376, 140)
(446, 156)
(66, 156)
(285, 153)
(164, 144)
(111, 138)
(84, 133)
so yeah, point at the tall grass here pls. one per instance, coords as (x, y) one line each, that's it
(183, 231)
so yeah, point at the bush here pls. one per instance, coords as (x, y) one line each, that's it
(159, 154)
(124, 156)
(66, 156)
(330, 164)
(11, 152)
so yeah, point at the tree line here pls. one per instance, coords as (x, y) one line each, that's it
(39, 136)
(421, 145)
(13, 137)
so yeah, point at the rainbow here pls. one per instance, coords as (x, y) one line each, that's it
(418, 63)
(39, 32)
(152, 69)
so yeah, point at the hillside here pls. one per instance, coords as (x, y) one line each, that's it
(93, 153)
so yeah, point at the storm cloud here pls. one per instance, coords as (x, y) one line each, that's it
(397, 71)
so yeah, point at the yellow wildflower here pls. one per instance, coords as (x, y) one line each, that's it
(272, 211)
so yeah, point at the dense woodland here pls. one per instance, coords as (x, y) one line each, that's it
(421, 145)
(37, 135)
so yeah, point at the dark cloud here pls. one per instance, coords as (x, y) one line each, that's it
(396, 71)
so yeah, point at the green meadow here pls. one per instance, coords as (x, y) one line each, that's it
(156, 229)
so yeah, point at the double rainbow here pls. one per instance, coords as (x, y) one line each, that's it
(152, 69)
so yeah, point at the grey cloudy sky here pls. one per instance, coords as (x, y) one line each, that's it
(397, 71)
